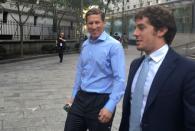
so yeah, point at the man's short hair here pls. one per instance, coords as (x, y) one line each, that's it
(95, 11)
(160, 17)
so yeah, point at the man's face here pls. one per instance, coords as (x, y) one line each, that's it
(146, 36)
(95, 26)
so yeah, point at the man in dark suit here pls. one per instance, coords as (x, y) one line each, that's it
(168, 96)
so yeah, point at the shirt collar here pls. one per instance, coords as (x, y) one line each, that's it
(159, 54)
(102, 37)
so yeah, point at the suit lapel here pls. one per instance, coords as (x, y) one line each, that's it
(162, 74)
(135, 68)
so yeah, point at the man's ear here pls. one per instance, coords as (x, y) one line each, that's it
(162, 31)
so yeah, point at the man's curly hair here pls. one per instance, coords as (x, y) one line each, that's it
(160, 17)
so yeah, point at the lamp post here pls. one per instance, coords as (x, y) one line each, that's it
(54, 17)
(193, 16)
(81, 23)
(124, 23)
(111, 22)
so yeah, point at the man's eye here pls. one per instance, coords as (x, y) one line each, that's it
(141, 27)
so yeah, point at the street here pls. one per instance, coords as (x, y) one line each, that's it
(33, 92)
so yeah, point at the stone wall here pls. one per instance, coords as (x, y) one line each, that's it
(10, 48)
(183, 38)
(184, 43)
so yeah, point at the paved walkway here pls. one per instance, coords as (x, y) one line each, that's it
(32, 93)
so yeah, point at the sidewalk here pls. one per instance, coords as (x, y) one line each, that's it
(33, 92)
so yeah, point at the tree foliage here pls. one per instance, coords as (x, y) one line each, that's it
(103, 4)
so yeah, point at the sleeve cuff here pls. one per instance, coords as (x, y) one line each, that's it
(110, 105)
(74, 94)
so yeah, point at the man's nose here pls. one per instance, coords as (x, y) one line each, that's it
(94, 26)
(135, 33)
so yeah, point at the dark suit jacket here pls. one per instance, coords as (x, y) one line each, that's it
(170, 104)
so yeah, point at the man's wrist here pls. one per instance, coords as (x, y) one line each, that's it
(110, 105)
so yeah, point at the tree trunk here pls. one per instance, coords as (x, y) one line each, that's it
(21, 41)
(58, 25)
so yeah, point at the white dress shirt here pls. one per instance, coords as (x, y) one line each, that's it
(157, 58)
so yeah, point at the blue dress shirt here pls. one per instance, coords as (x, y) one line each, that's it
(101, 69)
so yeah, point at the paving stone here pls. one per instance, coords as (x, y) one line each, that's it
(9, 116)
(14, 129)
(1, 125)
(1, 101)
(33, 93)
(24, 123)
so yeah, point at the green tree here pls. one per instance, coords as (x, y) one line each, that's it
(23, 8)
(85, 4)
(59, 9)
(103, 4)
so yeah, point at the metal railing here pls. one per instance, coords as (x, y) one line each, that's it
(10, 30)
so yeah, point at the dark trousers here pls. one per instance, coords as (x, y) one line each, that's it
(61, 56)
(84, 112)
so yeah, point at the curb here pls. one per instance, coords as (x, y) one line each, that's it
(33, 57)
(25, 58)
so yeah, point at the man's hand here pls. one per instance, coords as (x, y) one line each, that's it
(104, 115)
(69, 101)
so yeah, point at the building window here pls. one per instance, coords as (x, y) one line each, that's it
(128, 7)
(148, 2)
(157, 1)
(127, 0)
(5, 17)
(35, 20)
(134, 6)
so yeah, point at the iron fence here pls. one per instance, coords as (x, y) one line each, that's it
(10, 30)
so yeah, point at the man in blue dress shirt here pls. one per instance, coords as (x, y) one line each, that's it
(100, 79)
